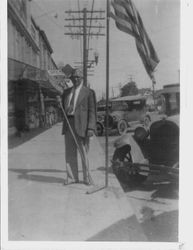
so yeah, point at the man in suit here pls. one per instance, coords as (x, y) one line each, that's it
(79, 103)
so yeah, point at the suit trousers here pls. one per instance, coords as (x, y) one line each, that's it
(71, 152)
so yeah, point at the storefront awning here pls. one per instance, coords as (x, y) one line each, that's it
(55, 80)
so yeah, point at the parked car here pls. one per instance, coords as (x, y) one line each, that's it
(153, 149)
(123, 112)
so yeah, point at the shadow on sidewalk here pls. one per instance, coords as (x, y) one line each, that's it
(14, 140)
(26, 174)
(124, 230)
(162, 228)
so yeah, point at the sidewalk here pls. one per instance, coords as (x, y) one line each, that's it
(41, 208)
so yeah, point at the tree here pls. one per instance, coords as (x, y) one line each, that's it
(129, 89)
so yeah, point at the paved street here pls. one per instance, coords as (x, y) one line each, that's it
(42, 208)
(155, 203)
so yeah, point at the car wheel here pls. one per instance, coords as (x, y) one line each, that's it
(122, 126)
(99, 129)
(125, 172)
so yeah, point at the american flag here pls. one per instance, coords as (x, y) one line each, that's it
(128, 20)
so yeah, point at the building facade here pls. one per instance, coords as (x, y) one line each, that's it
(31, 94)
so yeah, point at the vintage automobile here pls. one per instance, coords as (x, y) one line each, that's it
(153, 149)
(123, 112)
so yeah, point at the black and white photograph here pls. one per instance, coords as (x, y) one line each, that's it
(91, 128)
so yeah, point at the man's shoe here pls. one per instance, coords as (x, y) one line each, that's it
(87, 183)
(67, 182)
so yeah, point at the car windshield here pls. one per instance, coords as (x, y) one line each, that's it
(119, 106)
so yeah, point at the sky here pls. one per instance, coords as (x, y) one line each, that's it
(161, 19)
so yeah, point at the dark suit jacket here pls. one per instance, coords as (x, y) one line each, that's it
(85, 111)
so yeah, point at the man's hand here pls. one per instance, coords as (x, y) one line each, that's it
(90, 133)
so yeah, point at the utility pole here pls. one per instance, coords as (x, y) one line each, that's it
(84, 30)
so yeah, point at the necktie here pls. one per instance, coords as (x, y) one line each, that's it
(71, 104)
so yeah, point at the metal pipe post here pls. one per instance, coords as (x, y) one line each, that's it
(153, 88)
(107, 94)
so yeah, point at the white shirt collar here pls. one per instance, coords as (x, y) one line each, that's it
(77, 91)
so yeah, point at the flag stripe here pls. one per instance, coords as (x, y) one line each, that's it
(119, 8)
(128, 9)
(122, 24)
(121, 11)
(144, 58)
(148, 47)
(147, 42)
(128, 19)
(124, 19)
(137, 22)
